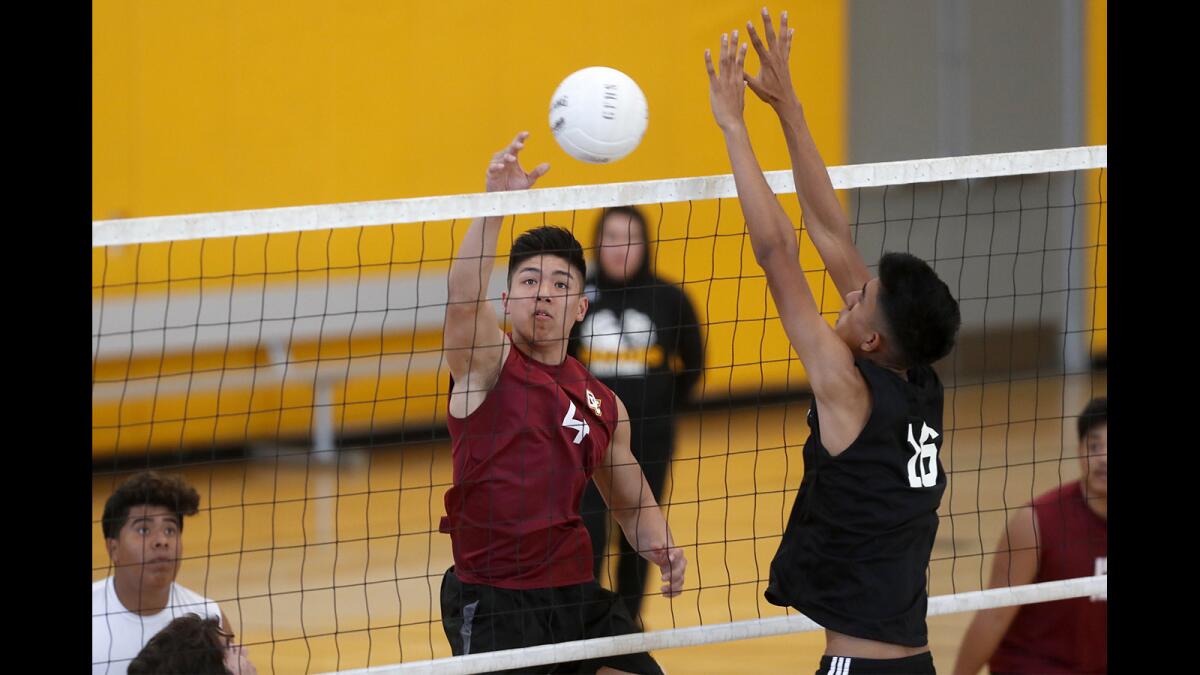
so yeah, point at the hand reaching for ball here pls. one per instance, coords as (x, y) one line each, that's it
(505, 173)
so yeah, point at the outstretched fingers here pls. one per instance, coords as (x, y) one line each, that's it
(786, 34)
(538, 171)
(759, 47)
(768, 29)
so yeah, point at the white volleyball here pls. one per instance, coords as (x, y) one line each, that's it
(598, 114)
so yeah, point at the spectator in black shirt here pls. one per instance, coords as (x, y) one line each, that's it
(642, 339)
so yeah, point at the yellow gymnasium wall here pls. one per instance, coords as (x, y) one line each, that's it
(224, 105)
(1096, 124)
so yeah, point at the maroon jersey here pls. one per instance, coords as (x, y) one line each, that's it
(1065, 636)
(521, 462)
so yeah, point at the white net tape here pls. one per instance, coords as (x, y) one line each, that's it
(529, 657)
(333, 216)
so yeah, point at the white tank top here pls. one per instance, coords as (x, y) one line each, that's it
(118, 634)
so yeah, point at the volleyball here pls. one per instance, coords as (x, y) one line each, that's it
(598, 115)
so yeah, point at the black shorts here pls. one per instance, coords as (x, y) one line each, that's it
(920, 664)
(479, 618)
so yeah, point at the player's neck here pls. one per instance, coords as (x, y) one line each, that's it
(549, 352)
(140, 598)
(882, 361)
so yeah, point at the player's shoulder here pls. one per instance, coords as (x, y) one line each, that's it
(1054, 497)
(99, 590)
(186, 596)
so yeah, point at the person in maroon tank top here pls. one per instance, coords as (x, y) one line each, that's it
(529, 426)
(1062, 534)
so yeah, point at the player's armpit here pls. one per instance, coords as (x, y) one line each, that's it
(473, 343)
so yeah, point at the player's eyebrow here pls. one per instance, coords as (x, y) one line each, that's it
(538, 270)
(170, 517)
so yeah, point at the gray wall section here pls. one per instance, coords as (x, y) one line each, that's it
(935, 78)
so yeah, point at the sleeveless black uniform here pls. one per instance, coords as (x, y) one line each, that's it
(854, 555)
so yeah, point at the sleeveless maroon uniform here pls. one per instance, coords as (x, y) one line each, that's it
(1065, 636)
(521, 462)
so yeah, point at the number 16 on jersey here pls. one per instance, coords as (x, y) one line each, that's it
(922, 466)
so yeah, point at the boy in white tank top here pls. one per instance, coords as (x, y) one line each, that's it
(143, 522)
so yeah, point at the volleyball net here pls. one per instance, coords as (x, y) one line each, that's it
(288, 363)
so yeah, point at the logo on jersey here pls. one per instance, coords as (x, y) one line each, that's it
(580, 426)
(594, 403)
(922, 466)
(1101, 568)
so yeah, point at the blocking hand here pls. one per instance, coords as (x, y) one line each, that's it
(505, 172)
(726, 89)
(774, 82)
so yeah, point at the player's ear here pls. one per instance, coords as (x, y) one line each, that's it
(583, 307)
(111, 545)
(873, 342)
(504, 300)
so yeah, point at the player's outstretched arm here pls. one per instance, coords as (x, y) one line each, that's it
(827, 360)
(826, 222)
(623, 485)
(1016, 564)
(473, 340)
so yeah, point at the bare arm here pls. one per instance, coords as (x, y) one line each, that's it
(473, 340)
(1016, 564)
(623, 485)
(826, 222)
(827, 360)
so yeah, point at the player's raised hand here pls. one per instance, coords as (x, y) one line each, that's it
(726, 89)
(774, 81)
(672, 564)
(505, 173)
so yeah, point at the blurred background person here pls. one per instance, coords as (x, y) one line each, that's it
(190, 644)
(642, 339)
(1062, 534)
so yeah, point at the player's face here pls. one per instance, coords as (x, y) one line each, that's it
(545, 299)
(622, 247)
(148, 547)
(1093, 460)
(856, 322)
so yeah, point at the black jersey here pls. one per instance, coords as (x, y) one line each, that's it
(856, 548)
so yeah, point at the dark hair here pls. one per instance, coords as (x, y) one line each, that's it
(1094, 415)
(550, 240)
(922, 317)
(643, 271)
(188, 644)
(150, 488)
